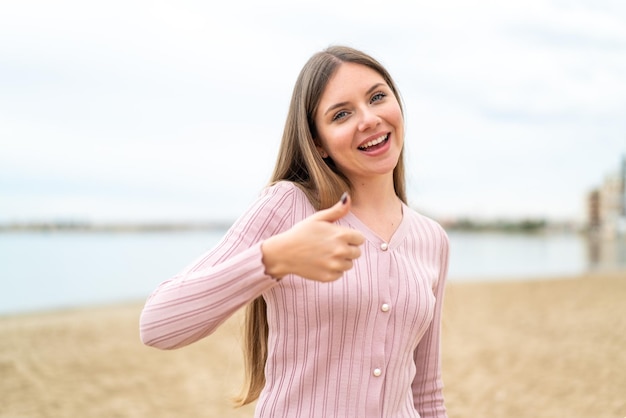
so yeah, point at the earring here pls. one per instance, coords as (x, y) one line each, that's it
(323, 154)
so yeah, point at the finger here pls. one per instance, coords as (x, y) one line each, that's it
(330, 276)
(356, 252)
(354, 237)
(341, 265)
(347, 252)
(335, 212)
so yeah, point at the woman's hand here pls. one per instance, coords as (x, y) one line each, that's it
(314, 248)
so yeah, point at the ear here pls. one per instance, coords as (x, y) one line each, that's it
(323, 153)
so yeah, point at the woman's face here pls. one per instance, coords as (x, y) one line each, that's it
(359, 123)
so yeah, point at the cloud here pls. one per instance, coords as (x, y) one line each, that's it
(513, 108)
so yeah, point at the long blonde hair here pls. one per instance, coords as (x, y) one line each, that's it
(299, 161)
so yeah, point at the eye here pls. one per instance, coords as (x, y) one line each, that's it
(378, 96)
(340, 115)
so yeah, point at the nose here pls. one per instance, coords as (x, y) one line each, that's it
(369, 119)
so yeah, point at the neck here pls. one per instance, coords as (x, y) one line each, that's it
(376, 204)
(374, 194)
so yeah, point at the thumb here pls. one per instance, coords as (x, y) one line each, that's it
(335, 212)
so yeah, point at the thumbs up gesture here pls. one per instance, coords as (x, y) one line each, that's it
(314, 248)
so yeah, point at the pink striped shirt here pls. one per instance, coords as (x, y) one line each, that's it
(366, 345)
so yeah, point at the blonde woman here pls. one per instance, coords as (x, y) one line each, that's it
(343, 282)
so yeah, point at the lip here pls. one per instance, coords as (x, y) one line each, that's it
(373, 137)
(381, 149)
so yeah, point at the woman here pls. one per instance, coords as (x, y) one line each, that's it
(344, 290)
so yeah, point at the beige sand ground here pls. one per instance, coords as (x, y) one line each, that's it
(535, 349)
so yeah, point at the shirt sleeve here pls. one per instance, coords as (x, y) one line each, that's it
(192, 304)
(428, 384)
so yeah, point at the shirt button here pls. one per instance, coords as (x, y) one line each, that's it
(384, 246)
(377, 372)
(384, 307)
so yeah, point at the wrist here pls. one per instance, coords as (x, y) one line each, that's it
(273, 257)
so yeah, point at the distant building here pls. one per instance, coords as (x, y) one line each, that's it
(623, 175)
(606, 205)
(593, 210)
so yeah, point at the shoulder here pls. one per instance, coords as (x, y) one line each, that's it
(286, 194)
(433, 237)
(426, 225)
(276, 208)
(284, 189)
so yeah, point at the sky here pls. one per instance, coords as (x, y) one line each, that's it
(144, 111)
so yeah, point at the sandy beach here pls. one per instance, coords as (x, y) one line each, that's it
(536, 349)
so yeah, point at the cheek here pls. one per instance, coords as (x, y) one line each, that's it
(395, 114)
(397, 120)
(337, 138)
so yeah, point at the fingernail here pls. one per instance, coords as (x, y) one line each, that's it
(344, 198)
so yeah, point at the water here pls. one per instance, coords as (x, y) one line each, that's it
(56, 270)
(40, 271)
(504, 256)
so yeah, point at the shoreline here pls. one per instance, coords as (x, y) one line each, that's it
(511, 348)
(461, 280)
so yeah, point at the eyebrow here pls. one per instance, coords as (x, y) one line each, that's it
(367, 93)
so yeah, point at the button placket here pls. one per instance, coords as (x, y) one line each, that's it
(383, 298)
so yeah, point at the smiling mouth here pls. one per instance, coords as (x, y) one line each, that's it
(374, 143)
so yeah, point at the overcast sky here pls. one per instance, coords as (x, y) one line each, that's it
(152, 110)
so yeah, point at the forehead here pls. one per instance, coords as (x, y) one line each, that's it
(349, 79)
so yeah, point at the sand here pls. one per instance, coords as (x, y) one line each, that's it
(540, 348)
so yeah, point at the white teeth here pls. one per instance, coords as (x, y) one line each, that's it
(373, 142)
